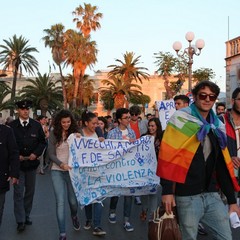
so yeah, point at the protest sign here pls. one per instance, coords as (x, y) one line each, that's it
(112, 168)
(165, 108)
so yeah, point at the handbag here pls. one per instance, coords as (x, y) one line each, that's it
(163, 227)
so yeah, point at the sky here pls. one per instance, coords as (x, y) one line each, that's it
(144, 27)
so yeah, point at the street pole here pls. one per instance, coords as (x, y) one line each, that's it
(190, 51)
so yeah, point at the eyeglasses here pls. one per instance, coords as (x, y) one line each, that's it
(134, 114)
(203, 96)
(126, 118)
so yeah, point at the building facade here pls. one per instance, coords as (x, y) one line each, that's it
(232, 67)
(154, 88)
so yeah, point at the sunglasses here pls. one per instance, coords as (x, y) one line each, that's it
(203, 96)
(134, 114)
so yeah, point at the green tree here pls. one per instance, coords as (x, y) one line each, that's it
(128, 69)
(44, 92)
(17, 54)
(89, 18)
(203, 74)
(120, 90)
(166, 64)
(5, 90)
(88, 90)
(107, 100)
(80, 54)
(54, 39)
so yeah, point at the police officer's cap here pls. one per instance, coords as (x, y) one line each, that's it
(24, 104)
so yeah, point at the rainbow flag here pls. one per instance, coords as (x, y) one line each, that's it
(179, 145)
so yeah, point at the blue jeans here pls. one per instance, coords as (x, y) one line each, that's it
(62, 182)
(152, 201)
(207, 208)
(97, 211)
(127, 206)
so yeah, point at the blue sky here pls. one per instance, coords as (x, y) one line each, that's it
(144, 27)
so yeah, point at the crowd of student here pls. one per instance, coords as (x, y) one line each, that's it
(193, 162)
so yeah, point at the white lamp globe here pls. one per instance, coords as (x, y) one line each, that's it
(189, 36)
(200, 44)
(177, 46)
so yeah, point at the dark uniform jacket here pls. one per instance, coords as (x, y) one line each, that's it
(30, 139)
(9, 157)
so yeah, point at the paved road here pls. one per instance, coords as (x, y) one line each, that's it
(45, 224)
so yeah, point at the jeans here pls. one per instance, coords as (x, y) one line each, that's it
(207, 208)
(23, 195)
(152, 201)
(127, 206)
(97, 211)
(62, 182)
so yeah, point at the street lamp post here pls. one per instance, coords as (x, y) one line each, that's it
(190, 51)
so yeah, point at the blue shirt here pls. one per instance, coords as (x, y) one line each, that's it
(116, 133)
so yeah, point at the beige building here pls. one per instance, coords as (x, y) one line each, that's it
(153, 88)
(232, 67)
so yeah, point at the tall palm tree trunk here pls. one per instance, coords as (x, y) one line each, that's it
(13, 94)
(63, 88)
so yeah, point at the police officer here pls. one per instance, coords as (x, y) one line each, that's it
(9, 163)
(31, 143)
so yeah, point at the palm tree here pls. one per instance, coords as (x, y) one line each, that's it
(203, 74)
(16, 54)
(80, 53)
(54, 39)
(166, 64)
(121, 91)
(44, 93)
(89, 19)
(107, 100)
(88, 90)
(128, 69)
(5, 90)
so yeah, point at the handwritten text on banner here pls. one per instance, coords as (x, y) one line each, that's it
(112, 168)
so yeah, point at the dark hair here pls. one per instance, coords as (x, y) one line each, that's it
(108, 116)
(104, 120)
(235, 92)
(135, 109)
(41, 117)
(222, 104)
(120, 112)
(57, 130)
(87, 117)
(182, 97)
(213, 87)
(159, 131)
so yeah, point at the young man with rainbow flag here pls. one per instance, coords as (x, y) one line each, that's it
(194, 163)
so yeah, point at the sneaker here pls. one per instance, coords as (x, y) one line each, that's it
(88, 225)
(76, 224)
(128, 227)
(98, 231)
(62, 237)
(201, 230)
(138, 201)
(112, 218)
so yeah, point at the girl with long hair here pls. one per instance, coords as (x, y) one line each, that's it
(64, 125)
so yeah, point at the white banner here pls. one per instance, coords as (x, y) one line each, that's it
(112, 168)
(165, 108)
